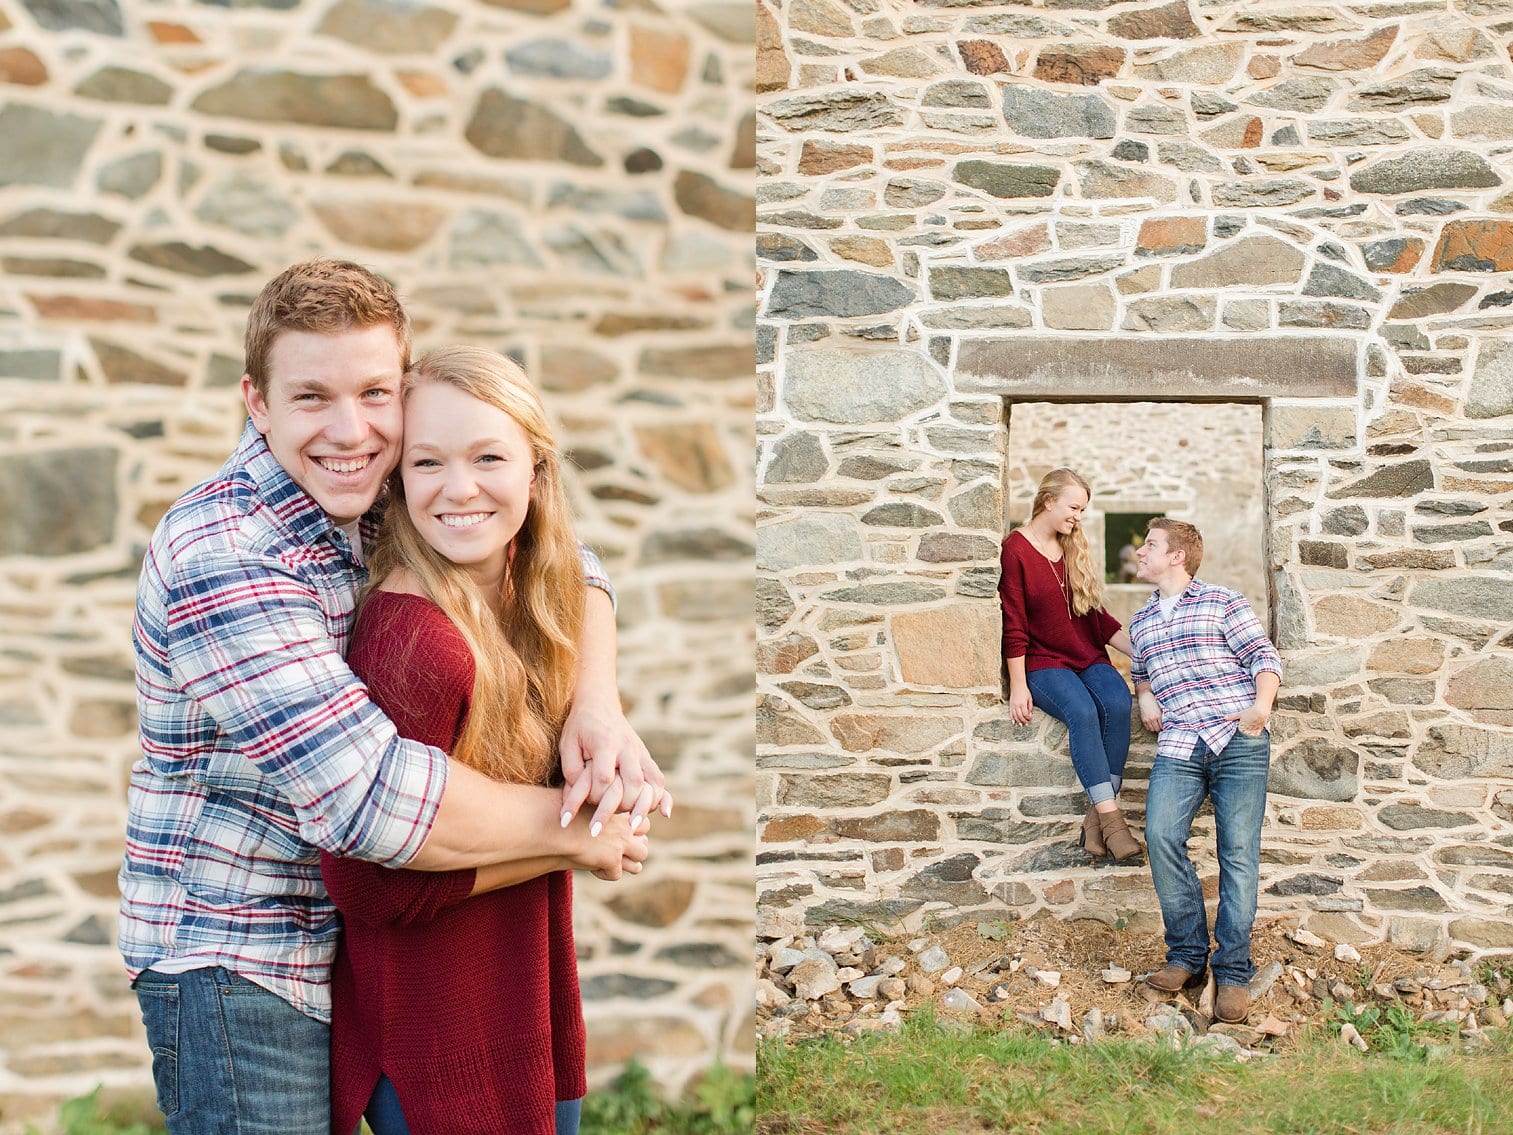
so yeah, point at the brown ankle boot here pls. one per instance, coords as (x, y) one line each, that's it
(1116, 836)
(1092, 834)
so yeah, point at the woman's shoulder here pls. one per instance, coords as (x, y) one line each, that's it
(407, 623)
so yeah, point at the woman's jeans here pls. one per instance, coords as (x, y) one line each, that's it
(1236, 781)
(1094, 704)
(231, 1058)
(386, 1117)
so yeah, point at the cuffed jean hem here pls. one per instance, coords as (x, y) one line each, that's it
(1101, 792)
(1094, 705)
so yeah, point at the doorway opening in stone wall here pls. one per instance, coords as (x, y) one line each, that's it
(1196, 461)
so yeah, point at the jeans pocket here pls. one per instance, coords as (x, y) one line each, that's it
(160, 1013)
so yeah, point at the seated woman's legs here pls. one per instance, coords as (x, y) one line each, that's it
(1110, 692)
(1062, 694)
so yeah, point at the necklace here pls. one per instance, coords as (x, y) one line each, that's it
(1058, 569)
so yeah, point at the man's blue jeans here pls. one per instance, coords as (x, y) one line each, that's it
(1236, 781)
(230, 1058)
(1094, 704)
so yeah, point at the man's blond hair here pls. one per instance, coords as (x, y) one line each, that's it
(1181, 537)
(325, 296)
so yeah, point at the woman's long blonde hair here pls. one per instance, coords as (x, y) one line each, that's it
(526, 657)
(1085, 581)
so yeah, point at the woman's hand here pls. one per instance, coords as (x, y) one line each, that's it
(605, 763)
(1021, 705)
(620, 848)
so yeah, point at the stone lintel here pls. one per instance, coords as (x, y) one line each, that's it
(1067, 368)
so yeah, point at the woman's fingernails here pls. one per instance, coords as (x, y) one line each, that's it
(567, 818)
(635, 822)
(667, 808)
(594, 829)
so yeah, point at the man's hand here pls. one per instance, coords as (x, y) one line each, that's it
(619, 849)
(1150, 711)
(604, 761)
(1252, 720)
(1021, 705)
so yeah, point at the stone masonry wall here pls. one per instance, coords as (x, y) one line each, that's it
(568, 180)
(964, 206)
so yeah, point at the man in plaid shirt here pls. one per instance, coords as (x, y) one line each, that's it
(1206, 676)
(260, 747)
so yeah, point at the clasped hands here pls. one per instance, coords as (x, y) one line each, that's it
(605, 763)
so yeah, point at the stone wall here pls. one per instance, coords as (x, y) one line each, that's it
(562, 179)
(1301, 207)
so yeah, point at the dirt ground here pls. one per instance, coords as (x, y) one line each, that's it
(999, 961)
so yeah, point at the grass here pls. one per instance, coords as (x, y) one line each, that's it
(931, 1081)
(721, 1102)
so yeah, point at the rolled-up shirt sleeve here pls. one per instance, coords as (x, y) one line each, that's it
(249, 642)
(1248, 641)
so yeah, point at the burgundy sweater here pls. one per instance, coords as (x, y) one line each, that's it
(1037, 625)
(469, 1005)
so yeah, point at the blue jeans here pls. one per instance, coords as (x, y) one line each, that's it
(1236, 781)
(386, 1117)
(1094, 704)
(230, 1058)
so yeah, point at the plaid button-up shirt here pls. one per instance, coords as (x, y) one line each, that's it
(259, 746)
(1201, 664)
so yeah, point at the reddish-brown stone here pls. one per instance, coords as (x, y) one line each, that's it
(786, 829)
(772, 66)
(1407, 259)
(1355, 55)
(1172, 235)
(164, 32)
(1081, 64)
(91, 308)
(1173, 21)
(830, 157)
(20, 66)
(658, 59)
(1252, 136)
(1011, 246)
(423, 84)
(983, 56)
(1475, 246)
(1263, 67)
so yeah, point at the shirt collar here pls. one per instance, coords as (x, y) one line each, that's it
(297, 509)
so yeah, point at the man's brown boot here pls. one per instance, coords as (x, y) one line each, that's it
(1174, 979)
(1116, 836)
(1092, 834)
(1231, 1004)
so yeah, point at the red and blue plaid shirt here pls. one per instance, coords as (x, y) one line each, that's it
(259, 746)
(1201, 664)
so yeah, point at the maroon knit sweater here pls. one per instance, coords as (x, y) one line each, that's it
(1037, 624)
(470, 1007)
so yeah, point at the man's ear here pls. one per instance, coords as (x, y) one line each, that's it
(257, 405)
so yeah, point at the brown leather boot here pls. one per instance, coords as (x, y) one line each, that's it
(1174, 979)
(1091, 840)
(1231, 1004)
(1116, 836)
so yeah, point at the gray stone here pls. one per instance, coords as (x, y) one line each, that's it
(1490, 392)
(1305, 884)
(860, 386)
(346, 102)
(503, 126)
(1188, 157)
(54, 224)
(979, 507)
(1156, 120)
(911, 193)
(839, 112)
(797, 458)
(1098, 178)
(1425, 87)
(1436, 299)
(1425, 899)
(781, 248)
(1329, 280)
(902, 514)
(1209, 65)
(954, 283)
(39, 365)
(958, 317)
(1021, 770)
(102, 17)
(1404, 479)
(774, 606)
(999, 179)
(1475, 597)
(963, 93)
(1316, 769)
(133, 176)
(1065, 366)
(1304, 96)
(482, 237)
(1060, 271)
(59, 502)
(804, 294)
(1036, 113)
(886, 594)
(950, 880)
(42, 147)
(1358, 132)
(246, 203)
(1410, 817)
(706, 545)
(1456, 752)
(1171, 314)
(1348, 521)
(123, 85)
(551, 58)
(1262, 194)
(389, 26)
(1484, 123)
(1428, 207)
(1426, 169)
(202, 262)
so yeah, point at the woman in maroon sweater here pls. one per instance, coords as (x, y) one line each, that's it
(455, 994)
(1055, 632)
